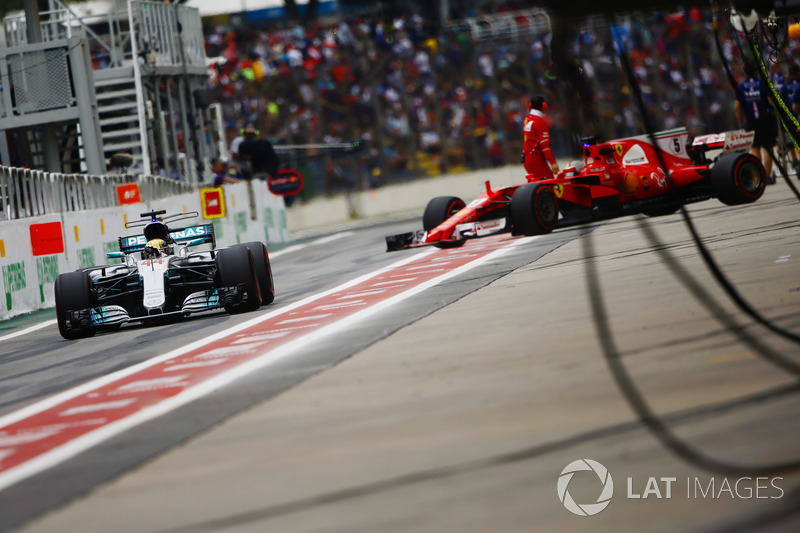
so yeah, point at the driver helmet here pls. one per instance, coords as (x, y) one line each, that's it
(154, 248)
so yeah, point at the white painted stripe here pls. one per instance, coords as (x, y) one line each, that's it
(37, 327)
(342, 305)
(6, 453)
(76, 446)
(393, 282)
(94, 407)
(144, 384)
(196, 364)
(426, 267)
(322, 240)
(307, 318)
(262, 337)
(360, 294)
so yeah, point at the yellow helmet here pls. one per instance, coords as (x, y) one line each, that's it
(154, 248)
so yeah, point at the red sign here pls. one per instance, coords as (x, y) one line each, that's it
(213, 201)
(128, 194)
(47, 238)
(286, 182)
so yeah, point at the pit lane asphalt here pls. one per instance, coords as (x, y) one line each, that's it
(463, 420)
(36, 365)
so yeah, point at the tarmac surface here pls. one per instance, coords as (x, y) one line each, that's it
(464, 420)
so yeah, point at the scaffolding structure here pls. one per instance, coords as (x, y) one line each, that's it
(130, 83)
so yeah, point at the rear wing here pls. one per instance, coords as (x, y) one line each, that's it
(200, 234)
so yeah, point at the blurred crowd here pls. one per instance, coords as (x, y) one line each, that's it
(424, 99)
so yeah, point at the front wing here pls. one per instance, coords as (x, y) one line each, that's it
(470, 230)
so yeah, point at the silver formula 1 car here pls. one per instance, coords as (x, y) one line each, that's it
(159, 277)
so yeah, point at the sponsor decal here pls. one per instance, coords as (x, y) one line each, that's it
(47, 271)
(86, 257)
(128, 194)
(738, 141)
(213, 202)
(630, 183)
(285, 183)
(635, 156)
(47, 238)
(13, 280)
(190, 233)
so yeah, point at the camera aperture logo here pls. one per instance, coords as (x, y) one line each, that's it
(585, 509)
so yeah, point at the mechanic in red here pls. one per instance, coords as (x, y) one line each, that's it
(537, 157)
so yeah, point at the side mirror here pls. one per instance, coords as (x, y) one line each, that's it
(115, 255)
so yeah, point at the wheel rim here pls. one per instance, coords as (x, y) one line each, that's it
(749, 178)
(455, 207)
(546, 207)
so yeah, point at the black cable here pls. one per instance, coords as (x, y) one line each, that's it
(708, 259)
(706, 299)
(786, 117)
(637, 401)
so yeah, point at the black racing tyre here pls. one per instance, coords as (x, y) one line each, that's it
(440, 209)
(738, 179)
(263, 270)
(73, 292)
(236, 266)
(534, 209)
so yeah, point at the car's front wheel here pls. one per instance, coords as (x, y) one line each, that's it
(73, 292)
(440, 209)
(263, 270)
(236, 272)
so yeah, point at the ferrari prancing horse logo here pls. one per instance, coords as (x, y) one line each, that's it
(618, 148)
(558, 189)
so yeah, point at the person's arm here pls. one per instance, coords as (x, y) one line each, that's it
(544, 146)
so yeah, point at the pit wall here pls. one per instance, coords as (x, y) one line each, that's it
(26, 280)
(321, 213)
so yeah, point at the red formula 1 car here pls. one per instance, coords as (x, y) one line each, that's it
(616, 178)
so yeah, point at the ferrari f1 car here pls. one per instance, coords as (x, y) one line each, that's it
(615, 178)
(159, 277)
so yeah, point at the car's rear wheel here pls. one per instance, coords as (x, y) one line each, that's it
(236, 268)
(440, 209)
(263, 270)
(73, 292)
(534, 209)
(738, 179)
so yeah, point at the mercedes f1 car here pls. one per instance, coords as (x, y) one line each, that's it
(615, 178)
(159, 277)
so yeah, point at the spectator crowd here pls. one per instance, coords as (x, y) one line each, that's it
(426, 99)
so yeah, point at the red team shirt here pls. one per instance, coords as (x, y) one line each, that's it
(538, 155)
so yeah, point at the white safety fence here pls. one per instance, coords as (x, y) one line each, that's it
(36, 248)
(29, 193)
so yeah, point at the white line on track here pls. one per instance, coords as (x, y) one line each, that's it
(37, 327)
(321, 240)
(103, 433)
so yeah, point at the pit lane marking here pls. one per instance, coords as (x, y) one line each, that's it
(159, 395)
(31, 329)
(95, 407)
(322, 240)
